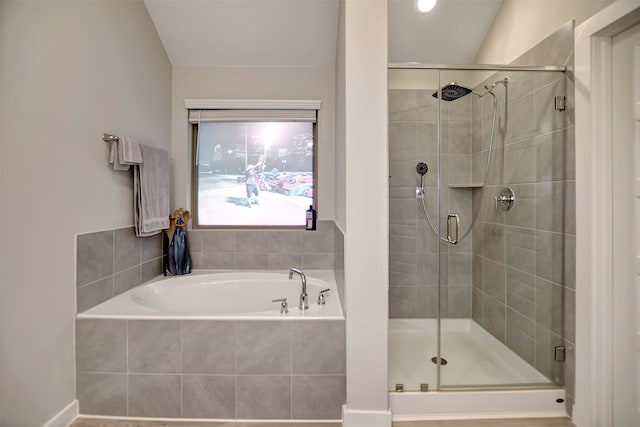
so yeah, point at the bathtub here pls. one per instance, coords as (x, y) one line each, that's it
(220, 295)
(212, 346)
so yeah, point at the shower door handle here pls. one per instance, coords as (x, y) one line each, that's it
(456, 220)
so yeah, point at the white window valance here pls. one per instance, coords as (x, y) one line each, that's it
(211, 110)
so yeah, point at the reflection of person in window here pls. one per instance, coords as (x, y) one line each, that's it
(251, 173)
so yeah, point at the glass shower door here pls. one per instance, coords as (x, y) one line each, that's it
(413, 245)
(502, 287)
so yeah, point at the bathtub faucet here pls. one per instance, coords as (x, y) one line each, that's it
(303, 296)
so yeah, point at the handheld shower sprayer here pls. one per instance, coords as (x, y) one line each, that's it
(422, 170)
(451, 92)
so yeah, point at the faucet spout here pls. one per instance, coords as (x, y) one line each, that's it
(304, 304)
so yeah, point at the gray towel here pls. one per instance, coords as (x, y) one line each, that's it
(151, 192)
(125, 152)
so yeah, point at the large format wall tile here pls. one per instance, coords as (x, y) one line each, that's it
(114, 261)
(264, 347)
(263, 397)
(187, 368)
(95, 257)
(208, 396)
(101, 345)
(318, 347)
(154, 346)
(102, 393)
(154, 395)
(216, 340)
(128, 252)
(318, 396)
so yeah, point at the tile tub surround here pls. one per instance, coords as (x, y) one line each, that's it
(226, 249)
(217, 369)
(517, 422)
(320, 249)
(111, 262)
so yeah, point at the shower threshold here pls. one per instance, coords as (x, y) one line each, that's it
(473, 381)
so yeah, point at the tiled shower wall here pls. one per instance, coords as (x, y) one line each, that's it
(413, 245)
(524, 259)
(515, 273)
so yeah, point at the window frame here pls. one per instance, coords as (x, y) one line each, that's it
(247, 105)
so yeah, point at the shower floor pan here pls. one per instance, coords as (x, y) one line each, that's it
(475, 360)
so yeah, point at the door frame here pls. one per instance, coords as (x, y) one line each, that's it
(594, 215)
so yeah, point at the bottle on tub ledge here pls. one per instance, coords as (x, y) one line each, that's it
(177, 260)
(311, 218)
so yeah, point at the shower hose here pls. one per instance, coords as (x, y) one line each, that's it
(474, 216)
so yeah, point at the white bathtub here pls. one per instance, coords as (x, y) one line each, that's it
(224, 295)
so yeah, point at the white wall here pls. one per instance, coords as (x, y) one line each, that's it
(2, 215)
(254, 83)
(71, 71)
(366, 213)
(340, 160)
(521, 24)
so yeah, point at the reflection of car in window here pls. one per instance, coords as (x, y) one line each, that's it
(266, 182)
(204, 168)
(295, 184)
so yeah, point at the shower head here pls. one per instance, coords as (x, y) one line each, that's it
(422, 168)
(452, 91)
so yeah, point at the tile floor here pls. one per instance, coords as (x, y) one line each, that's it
(521, 422)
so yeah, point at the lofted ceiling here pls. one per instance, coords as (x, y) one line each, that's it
(451, 33)
(303, 33)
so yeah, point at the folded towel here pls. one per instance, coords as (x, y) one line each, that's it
(129, 152)
(113, 157)
(125, 152)
(151, 191)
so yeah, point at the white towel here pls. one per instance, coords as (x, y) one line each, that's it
(151, 192)
(125, 152)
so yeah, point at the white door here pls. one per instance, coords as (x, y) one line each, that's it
(625, 88)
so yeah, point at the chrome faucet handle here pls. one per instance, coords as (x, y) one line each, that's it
(321, 298)
(284, 307)
(303, 295)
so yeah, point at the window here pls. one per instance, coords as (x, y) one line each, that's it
(253, 168)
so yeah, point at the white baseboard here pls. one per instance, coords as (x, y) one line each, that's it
(436, 405)
(355, 418)
(64, 417)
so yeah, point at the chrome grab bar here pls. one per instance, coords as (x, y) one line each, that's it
(457, 223)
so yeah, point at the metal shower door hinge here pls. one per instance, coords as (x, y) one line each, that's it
(561, 102)
(559, 353)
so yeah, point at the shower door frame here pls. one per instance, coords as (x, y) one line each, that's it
(465, 67)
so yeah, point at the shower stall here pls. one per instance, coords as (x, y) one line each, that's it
(481, 235)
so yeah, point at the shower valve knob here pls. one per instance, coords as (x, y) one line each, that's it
(506, 199)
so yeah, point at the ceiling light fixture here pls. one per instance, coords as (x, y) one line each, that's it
(424, 6)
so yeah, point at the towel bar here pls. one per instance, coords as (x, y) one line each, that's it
(107, 137)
